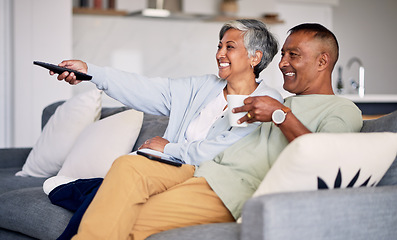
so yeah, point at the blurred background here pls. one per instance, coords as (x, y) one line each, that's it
(182, 42)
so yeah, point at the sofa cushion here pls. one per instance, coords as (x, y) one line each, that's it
(101, 143)
(60, 133)
(11, 235)
(331, 160)
(29, 211)
(97, 147)
(386, 123)
(390, 177)
(13, 157)
(9, 182)
(50, 110)
(215, 231)
(153, 125)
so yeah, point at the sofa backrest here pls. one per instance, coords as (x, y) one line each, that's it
(152, 125)
(386, 123)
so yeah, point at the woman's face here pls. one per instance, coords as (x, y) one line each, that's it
(232, 57)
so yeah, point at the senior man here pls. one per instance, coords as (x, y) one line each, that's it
(309, 55)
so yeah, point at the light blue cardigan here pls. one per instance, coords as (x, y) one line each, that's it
(181, 99)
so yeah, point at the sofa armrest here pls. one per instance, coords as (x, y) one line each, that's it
(13, 157)
(354, 213)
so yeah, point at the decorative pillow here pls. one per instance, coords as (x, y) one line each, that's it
(60, 133)
(101, 143)
(331, 160)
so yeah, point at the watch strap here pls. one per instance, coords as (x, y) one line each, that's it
(286, 109)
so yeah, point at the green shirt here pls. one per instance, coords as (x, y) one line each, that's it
(236, 173)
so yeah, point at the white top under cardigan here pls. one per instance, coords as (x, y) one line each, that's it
(200, 126)
(182, 99)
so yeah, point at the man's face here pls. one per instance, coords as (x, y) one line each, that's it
(299, 63)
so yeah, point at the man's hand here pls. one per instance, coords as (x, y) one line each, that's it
(259, 108)
(157, 143)
(71, 77)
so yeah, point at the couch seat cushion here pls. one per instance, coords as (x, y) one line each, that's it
(9, 182)
(11, 235)
(29, 211)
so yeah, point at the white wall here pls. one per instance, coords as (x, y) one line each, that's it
(157, 47)
(6, 123)
(41, 31)
(367, 29)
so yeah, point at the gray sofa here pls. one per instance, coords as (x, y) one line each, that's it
(359, 213)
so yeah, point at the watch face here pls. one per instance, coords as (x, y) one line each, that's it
(278, 116)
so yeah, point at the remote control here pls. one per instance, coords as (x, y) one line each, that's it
(59, 70)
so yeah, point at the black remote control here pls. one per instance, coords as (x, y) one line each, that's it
(59, 70)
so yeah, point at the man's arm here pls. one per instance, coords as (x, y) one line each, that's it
(292, 127)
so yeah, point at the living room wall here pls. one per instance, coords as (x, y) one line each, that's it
(35, 30)
(173, 48)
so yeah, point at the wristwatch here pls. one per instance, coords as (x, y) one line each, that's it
(278, 116)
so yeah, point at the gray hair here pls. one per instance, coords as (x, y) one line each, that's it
(256, 38)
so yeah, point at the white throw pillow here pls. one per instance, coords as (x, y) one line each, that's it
(60, 133)
(101, 143)
(331, 160)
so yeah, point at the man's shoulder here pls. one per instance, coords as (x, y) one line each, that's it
(327, 113)
(320, 99)
(323, 107)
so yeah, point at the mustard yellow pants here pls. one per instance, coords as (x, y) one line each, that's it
(140, 197)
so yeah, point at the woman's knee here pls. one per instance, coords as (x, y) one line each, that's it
(129, 161)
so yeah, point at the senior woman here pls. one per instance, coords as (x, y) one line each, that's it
(139, 197)
(197, 129)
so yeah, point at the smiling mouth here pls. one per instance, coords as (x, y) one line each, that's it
(224, 64)
(289, 74)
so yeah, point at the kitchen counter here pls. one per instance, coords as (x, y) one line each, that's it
(374, 104)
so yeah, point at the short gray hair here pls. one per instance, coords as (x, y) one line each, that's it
(256, 38)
